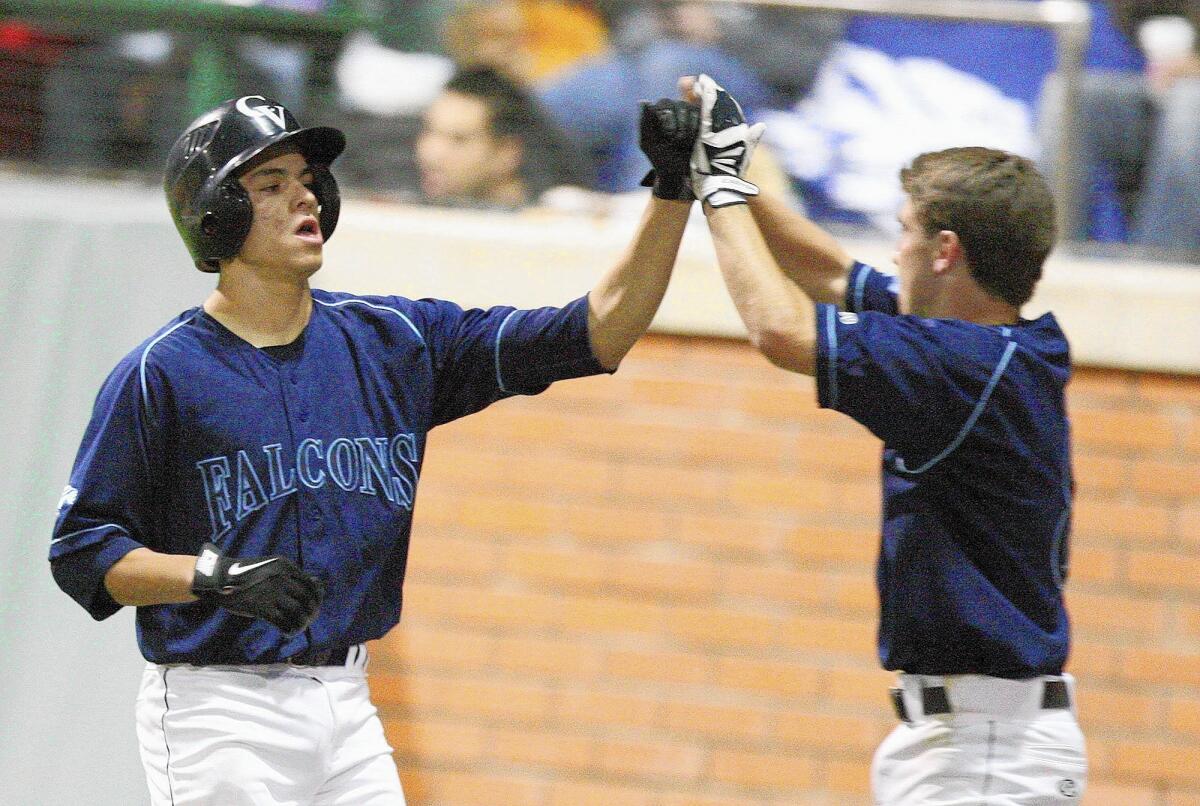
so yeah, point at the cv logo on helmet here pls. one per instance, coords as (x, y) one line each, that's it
(262, 109)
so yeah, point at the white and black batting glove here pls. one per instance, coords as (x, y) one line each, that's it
(274, 588)
(723, 149)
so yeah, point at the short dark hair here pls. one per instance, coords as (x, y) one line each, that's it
(997, 203)
(512, 110)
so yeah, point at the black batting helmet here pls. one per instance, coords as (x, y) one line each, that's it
(211, 209)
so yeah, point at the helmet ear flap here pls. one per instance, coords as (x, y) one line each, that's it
(225, 224)
(329, 198)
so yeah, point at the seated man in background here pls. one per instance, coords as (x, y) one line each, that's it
(484, 143)
(1141, 131)
(769, 58)
(530, 41)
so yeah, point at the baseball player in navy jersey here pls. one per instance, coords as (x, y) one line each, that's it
(248, 476)
(968, 399)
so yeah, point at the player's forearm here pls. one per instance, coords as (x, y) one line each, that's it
(778, 317)
(145, 577)
(808, 255)
(624, 301)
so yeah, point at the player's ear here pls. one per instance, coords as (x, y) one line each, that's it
(949, 251)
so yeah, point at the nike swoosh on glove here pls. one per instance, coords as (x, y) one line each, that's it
(273, 588)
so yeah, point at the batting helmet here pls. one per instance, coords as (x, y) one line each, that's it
(211, 209)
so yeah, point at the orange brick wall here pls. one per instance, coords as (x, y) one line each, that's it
(656, 589)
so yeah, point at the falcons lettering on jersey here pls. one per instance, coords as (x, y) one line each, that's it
(237, 485)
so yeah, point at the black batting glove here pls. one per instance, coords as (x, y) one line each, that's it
(668, 133)
(270, 588)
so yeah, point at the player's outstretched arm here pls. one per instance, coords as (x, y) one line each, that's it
(624, 301)
(779, 317)
(809, 256)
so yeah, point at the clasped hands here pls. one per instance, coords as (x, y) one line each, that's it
(699, 147)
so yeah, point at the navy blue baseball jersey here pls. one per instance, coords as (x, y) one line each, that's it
(311, 450)
(977, 484)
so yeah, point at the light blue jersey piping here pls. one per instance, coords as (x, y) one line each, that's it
(146, 353)
(860, 286)
(499, 333)
(831, 370)
(1001, 365)
(407, 321)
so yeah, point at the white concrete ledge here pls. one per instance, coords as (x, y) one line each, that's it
(1117, 313)
(1126, 314)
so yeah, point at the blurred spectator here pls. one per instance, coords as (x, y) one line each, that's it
(766, 57)
(26, 53)
(129, 119)
(561, 34)
(390, 96)
(484, 143)
(1140, 132)
(529, 40)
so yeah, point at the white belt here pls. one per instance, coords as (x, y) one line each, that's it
(917, 696)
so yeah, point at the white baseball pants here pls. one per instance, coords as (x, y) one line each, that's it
(998, 746)
(275, 735)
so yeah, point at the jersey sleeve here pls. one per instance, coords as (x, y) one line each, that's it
(868, 289)
(105, 507)
(915, 383)
(481, 356)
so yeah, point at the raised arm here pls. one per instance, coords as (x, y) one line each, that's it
(778, 316)
(777, 313)
(809, 256)
(624, 301)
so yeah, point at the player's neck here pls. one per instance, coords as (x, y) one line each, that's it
(963, 299)
(984, 309)
(263, 311)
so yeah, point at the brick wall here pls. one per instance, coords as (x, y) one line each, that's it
(656, 589)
